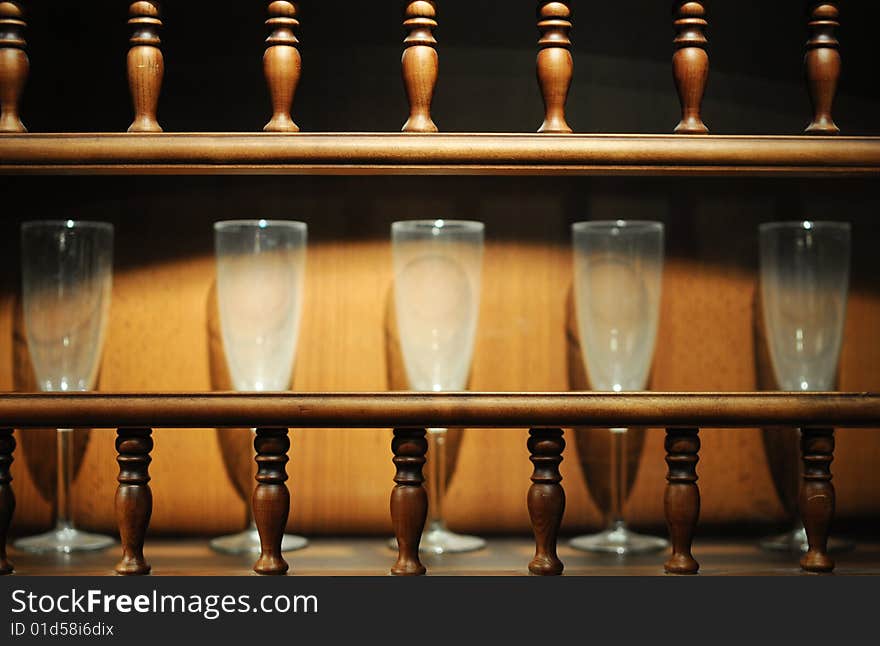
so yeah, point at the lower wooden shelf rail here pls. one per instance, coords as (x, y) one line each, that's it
(409, 414)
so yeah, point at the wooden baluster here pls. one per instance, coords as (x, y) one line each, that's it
(420, 64)
(7, 497)
(822, 65)
(14, 65)
(409, 501)
(682, 499)
(146, 65)
(817, 496)
(555, 64)
(271, 498)
(134, 500)
(690, 65)
(546, 498)
(282, 64)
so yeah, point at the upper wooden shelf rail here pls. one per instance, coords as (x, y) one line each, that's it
(462, 154)
(468, 409)
(553, 150)
(410, 414)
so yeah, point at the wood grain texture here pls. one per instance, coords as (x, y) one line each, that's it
(437, 154)
(14, 65)
(555, 64)
(822, 64)
(546, 498)
(157, 340)
(146, 65)
(7, 495)
(134, 499)
(271, 503)
(681, 501)
(690, 65)
(409, 501)
(421, 64)
(817, 496)
(282, 64)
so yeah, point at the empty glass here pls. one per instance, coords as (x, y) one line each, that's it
(437, 275)
(260, 277)
(67, 273)
(804, 285)
(618, 270)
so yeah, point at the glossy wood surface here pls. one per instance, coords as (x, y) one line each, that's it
(458, 154)
(555, 64)
(282, 64)
(504, 556)
(14, 65)
(690, 65)
(146, 65)
(134, 499)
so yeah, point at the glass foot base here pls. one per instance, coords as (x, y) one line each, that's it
(796, 541)
(442, 541)
(248, 542)
(65, 540)
(619, 540)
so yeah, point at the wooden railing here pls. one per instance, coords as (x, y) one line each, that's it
(554, 150)
(544, 414)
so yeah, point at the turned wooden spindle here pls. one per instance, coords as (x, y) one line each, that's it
(822, 66)
(14, 65)
(146, 65)
(409, 501)
(690, 65)
(682, 499)
(420, 64)
(546, 498)
(271, 502)
(555, 64)
(134, 500)
(7, 497)
(282, 64)
(817, 496)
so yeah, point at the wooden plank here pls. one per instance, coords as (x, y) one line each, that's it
(459, 154)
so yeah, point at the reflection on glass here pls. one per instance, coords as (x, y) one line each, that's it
(260, 277)
(437, 275)
(804, 286)
(67, 270)
(618, 269)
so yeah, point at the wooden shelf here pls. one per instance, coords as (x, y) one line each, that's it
(412, 409)
(439, 154)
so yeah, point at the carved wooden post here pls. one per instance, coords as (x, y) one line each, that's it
(146, 66)
(817, 496)
(555, 64)
(409, 501)
(134, 500)
(420, 64)
(14, 65)
(690, 65)
(271, 498)
(282, 64)
(682, 499)
(7, 497)
(546, 498)
(822, 66)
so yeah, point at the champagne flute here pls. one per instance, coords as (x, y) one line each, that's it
(618, 270)
(437, 274)
(260, 277)
(67, 274)
(804, 286)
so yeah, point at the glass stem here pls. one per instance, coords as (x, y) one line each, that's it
(63, 516)
(618, 478)
(436, 478)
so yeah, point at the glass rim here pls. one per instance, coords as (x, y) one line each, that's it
(471, 226)
(295, 225)
(805, 225)
(632, 225)
(67, 224)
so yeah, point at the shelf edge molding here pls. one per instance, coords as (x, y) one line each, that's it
(450, 154)
(420, 410)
